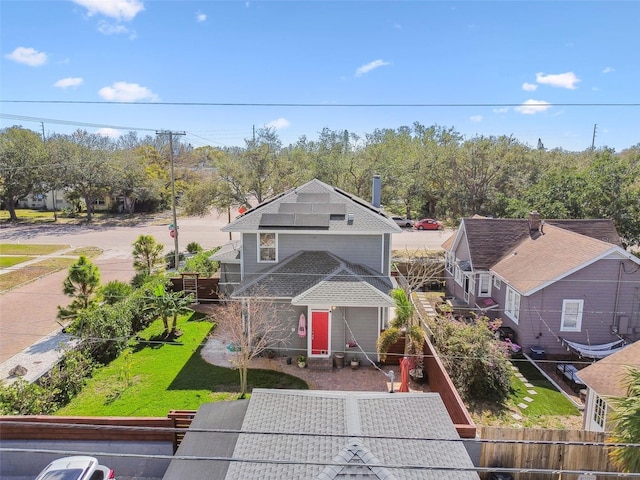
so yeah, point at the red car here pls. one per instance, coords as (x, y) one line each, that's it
(428, 224)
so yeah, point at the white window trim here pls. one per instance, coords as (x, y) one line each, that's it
(449, 262)
(275, 260)
(565, 314)
(512, 305)
(458, 275)
(599, 416)
(497, 283)
(487, 277)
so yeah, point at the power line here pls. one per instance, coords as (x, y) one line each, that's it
(319, 105)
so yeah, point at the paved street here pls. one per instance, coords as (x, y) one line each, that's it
(28, 313)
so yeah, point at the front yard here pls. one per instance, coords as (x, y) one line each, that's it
(153, 377)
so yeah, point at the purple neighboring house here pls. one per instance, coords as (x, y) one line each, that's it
(549, 281)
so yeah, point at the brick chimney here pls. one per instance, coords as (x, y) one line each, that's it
(534, 221)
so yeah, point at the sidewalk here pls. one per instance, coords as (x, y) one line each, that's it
(38, 358)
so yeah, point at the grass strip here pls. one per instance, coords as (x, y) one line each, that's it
(547, 401)
(150, 379)
(24, 249)
(32, 272)
(6, 262)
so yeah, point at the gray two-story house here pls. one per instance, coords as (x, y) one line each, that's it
(322, 258)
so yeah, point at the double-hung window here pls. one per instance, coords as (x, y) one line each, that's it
(484, 285)
(512, 305)
(571, 315)
(267, 247)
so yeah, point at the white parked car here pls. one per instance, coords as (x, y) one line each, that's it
(76, 468)
(403, 222)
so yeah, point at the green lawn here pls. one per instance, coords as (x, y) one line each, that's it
(152, 379)
(6, 262)
(22, 249)
(548, 401)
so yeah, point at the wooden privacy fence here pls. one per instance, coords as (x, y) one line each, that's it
(589, 458)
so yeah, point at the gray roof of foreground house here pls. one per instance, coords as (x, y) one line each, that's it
(315, 206)
(319, 277)
(323, 435)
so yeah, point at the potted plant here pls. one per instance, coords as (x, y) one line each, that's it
(302, 361)
(355, 363)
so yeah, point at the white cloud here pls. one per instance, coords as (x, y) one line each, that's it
(109, 132)
(107, 28)
(201, 17)
(529, 87)
(28, 56)
(501, 110)
(279, 123)
(370, 66)
(563, 80)
(127, 92)
(531, 107)
(475, 118)
(118, 9)
(68, 82)
(608, 70)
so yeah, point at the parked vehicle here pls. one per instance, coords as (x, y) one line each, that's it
(428, 224)
(403, 221)
(76, 468)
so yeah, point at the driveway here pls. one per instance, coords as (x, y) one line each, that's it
(28, 313)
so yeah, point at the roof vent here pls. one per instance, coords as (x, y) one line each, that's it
(534, 221)
(350, 219)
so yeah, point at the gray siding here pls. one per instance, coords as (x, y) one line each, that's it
(597, 285)
(363, 323)
(291, 344)
(229, 277)
(362, 249)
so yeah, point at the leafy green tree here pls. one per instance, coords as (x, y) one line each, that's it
(477, 362)
(105, 330)
(202, 264)
(90, 167)
(81, 284)
(147, 254)
(22, 166)
(626, 421)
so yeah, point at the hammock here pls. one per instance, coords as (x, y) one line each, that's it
(596, 351)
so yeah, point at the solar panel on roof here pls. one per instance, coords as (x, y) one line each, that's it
(296, 208)
(277, 220)
(332, 208)
(318, 220)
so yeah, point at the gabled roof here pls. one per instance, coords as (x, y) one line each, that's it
(537, 261)
(228, 253)
(334, 435)
(606, 376)
(318, 277)
(315, 206)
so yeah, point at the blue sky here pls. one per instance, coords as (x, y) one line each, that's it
(475, 66)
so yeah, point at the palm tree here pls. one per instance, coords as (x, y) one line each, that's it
(146, 254)
(402, 321)
(626, 418)
(167, 304)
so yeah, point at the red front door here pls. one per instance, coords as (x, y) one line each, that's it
(319, 333)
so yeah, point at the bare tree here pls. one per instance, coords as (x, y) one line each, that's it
(251, 326)
(419, 267)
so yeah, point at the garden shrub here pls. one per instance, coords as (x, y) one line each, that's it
(194, 247)
(115, 291)
(201, 263)
(24, 398)
(69, 376)
(477, 362)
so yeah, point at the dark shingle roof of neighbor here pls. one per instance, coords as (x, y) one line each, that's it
(490, 239)
(322, 275)
(325, 435)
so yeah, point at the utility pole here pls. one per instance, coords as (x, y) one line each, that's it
(173, 195)
(593, 140)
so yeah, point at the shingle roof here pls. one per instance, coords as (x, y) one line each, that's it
(229, 253)
(310, 276)
(600, 229)
(606, 376)
(315, 206)
(539, 260)
(338, 435)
